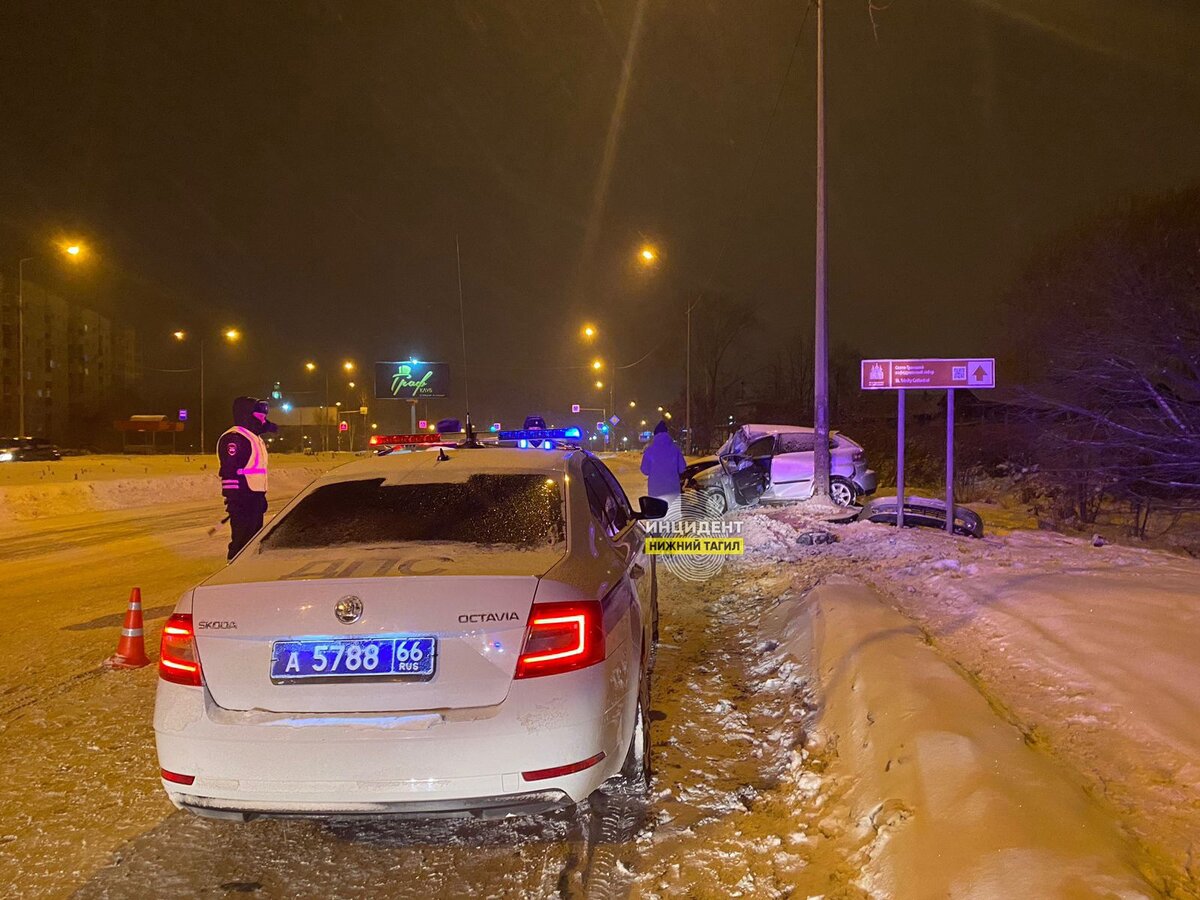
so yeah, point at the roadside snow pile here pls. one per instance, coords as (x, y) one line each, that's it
(89, 484)
(1090, 651)
(921, 789)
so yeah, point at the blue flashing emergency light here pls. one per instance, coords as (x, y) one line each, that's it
(287, 407)
(541, 436)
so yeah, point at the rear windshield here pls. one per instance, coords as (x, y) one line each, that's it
(523, 511)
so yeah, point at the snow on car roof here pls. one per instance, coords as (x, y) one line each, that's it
(778, 429)
(424, 465)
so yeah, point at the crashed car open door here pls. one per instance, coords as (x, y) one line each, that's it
(792, 466)
(750, 472)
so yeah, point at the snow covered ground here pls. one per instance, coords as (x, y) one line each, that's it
(891, 715)
(80, 484)
(1090, 653)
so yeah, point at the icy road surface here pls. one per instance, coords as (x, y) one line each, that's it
(807, 742)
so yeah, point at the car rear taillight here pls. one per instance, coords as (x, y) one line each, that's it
(176, 778)
(177, 659)
(562, 637)
(560, 771)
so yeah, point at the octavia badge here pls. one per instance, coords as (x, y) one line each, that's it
(348, 610)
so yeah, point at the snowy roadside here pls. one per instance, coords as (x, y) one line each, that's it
(102, 483)
(1085, 656)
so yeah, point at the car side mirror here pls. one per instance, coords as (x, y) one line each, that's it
(652, 508)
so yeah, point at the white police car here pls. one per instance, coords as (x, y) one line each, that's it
(461, 630)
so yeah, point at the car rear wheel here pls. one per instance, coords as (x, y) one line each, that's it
(842, 491)
(636, 772)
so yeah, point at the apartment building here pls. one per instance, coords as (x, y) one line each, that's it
(80, 368)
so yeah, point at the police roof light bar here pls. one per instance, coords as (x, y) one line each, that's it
(400, 440)
(541, 434)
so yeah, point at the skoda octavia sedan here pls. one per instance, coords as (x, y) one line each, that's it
(459, 630)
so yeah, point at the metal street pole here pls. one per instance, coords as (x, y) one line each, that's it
(325, 416)
(820, 326)
(900, 417)
(203, 445)
(950, 461)
(21, 345)
(687, 413)
(612, 403)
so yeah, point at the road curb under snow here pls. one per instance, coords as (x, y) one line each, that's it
(946, 798)
(25, 502)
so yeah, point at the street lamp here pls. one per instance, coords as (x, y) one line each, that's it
(229, 334)
(311, 367)
(74, 251)
(589, 332)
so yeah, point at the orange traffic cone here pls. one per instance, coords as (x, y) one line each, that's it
(131, 649)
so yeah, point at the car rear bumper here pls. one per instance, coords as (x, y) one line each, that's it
(451, 762)
(523, 804)
(868, 481)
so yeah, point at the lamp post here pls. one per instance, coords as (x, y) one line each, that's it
(72, 250)
(229, 334)
(821, 458)
(649, 258)
(348, 367)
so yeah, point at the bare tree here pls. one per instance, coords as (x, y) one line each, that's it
(717, 327)
(1110, 320)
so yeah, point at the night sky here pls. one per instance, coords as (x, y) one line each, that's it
(301, 170)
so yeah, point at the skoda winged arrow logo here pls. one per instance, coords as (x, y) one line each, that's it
(348, 610)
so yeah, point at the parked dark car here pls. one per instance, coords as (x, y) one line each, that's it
(27, 449)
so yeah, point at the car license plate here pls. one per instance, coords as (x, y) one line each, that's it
(408, 656)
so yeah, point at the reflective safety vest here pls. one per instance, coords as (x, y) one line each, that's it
(255, 471)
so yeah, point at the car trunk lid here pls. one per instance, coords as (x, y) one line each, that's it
(478, 621)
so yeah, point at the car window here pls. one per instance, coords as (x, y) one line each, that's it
(795, 442)
(761, 446)
(521, 510)
(624, 510)
(604, 504)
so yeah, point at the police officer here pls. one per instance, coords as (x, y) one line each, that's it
(243, 458)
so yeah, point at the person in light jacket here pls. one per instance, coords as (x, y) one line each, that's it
(662, 464)
(242, 454)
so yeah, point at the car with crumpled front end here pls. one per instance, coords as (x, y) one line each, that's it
(760, 462)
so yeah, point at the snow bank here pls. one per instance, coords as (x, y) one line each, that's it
(1092, 653)
(938, 796)
(90, 484)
